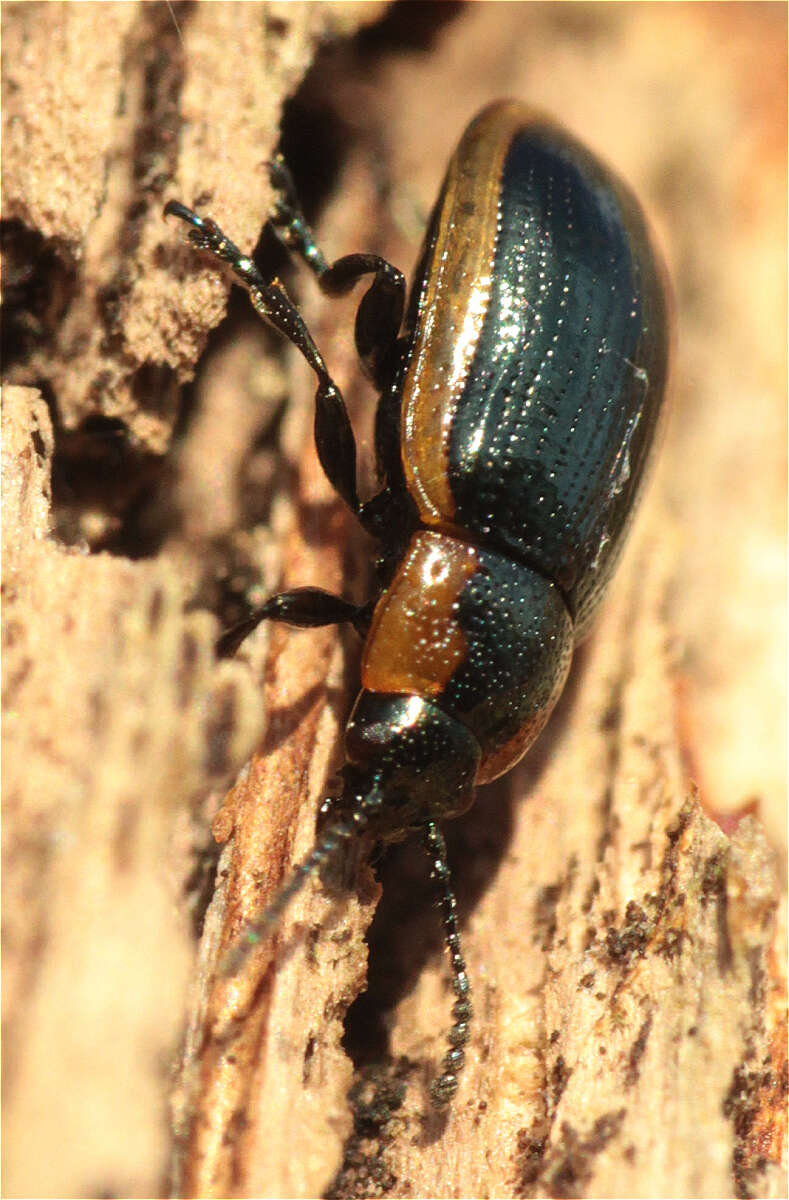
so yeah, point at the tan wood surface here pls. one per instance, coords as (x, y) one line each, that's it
(622, 892)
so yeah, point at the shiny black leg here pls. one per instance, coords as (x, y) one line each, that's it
(380, 311)
(334, 438)
(305, 607)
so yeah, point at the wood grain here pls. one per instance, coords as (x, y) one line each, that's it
(621, 893)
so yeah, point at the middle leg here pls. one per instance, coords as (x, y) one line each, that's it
(306, 608)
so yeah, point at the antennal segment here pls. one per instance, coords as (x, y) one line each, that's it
(254, 933)
(444, 1087)
(365, 806)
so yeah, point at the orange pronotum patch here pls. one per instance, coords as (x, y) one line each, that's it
(415, 641)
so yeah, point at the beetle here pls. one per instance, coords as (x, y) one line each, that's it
(521, 391)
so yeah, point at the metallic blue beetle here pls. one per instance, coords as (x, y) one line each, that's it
(520, 398)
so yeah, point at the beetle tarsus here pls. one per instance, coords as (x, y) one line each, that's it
(289, 221)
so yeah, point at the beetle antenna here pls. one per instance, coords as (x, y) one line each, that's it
(444, 1087)
(323, 850)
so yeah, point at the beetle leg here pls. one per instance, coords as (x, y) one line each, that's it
(305, 607)
(334, 438)
(380, 311)
(444, 1087)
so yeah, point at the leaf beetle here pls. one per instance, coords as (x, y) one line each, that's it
(521, 389)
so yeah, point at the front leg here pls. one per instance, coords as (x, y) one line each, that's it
(306, 608)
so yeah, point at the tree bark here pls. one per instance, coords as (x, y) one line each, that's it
(621, 909)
